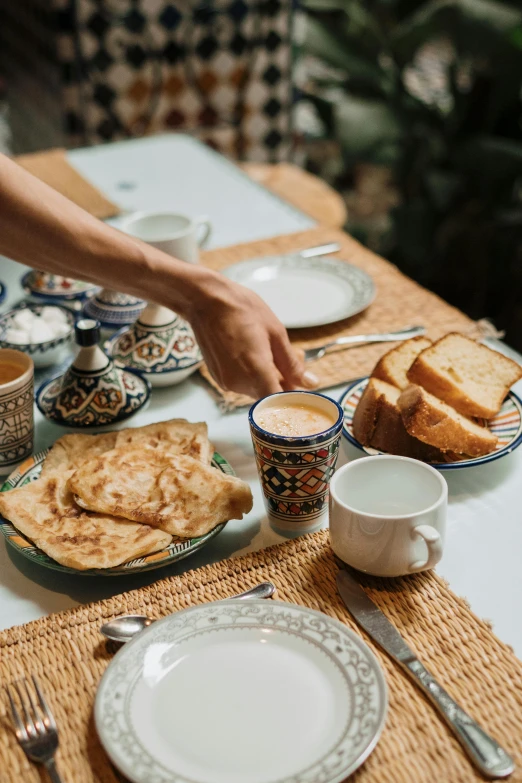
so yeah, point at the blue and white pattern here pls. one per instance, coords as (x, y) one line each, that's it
(113, 309)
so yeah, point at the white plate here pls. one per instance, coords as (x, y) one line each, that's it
(242, 692)
(306, 292)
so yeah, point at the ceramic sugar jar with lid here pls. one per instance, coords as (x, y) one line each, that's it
(160, 345)
(93, 392)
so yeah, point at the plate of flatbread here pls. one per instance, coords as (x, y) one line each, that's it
(121, 502)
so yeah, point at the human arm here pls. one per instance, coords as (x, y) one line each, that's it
(245, 346)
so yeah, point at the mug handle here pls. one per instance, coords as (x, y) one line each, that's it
(434, 544)
(207, 226)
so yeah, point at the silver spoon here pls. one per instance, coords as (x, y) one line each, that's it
(123, 629)
(312, 354)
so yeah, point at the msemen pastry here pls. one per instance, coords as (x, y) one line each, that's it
(45, 511)
(170, 491)
(178, 435)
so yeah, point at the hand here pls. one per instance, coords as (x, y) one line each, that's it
(245, 346)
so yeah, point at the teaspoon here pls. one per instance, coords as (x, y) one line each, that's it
(123, 629)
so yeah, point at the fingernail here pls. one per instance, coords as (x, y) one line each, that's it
(310, 381)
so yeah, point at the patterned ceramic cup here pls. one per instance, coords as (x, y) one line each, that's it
(16, 411)
(295, 472)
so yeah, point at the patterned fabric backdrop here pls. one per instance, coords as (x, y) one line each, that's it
(220, 69)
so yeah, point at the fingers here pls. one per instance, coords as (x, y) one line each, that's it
(290, 365)
(252, 377)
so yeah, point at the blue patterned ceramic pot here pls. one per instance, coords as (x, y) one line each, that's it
(92, 392)
(160, 345)
(112, 309)
(295, 472)
(48, 352)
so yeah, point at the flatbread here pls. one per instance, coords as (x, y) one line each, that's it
(180, 435)
(70, 451)
(170, 491)
(45, 512)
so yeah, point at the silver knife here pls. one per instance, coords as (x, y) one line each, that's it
(484, 752)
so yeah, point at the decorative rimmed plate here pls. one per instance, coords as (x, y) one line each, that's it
(255, 691)
(506, 425)
(44, 285)
(306, 292)
(30, 471)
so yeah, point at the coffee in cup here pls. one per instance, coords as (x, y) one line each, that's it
(296, 440)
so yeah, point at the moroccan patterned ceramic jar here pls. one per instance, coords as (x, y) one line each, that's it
(295, 470)
(93, 392)
(160, 345)
(16, 408)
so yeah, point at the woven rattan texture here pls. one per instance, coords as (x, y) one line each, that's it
(68, 655)
(400, 302)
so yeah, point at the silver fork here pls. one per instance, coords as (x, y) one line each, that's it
(312, 354)
(36, 731)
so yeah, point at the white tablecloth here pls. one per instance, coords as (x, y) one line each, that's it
(484, 540)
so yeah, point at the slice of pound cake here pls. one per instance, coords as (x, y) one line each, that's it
(394, 365)
(434, 422)
(465, 374)
(377, 422)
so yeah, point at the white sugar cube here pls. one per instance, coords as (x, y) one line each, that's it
(16, 336)
(53, 315)
(40, 332)
(60, 330)
(23, 319)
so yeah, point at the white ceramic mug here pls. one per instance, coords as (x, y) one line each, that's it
(177, 235)
(16, 412)
(388, 515)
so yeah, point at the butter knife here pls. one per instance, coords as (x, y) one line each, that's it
(484, 752)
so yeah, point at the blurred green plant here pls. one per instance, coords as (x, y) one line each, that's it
(433, 91)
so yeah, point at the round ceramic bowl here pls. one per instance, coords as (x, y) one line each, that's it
(166, 355)
(55, 289)
(47, 353)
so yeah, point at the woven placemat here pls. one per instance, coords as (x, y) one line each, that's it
(400, 302)
(53, 168)
(66, 652)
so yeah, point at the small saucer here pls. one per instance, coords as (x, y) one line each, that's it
(160, 346)
(112, 309)
(93, 392)
(55, 288)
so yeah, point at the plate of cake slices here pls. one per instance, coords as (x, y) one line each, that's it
(447, 403)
